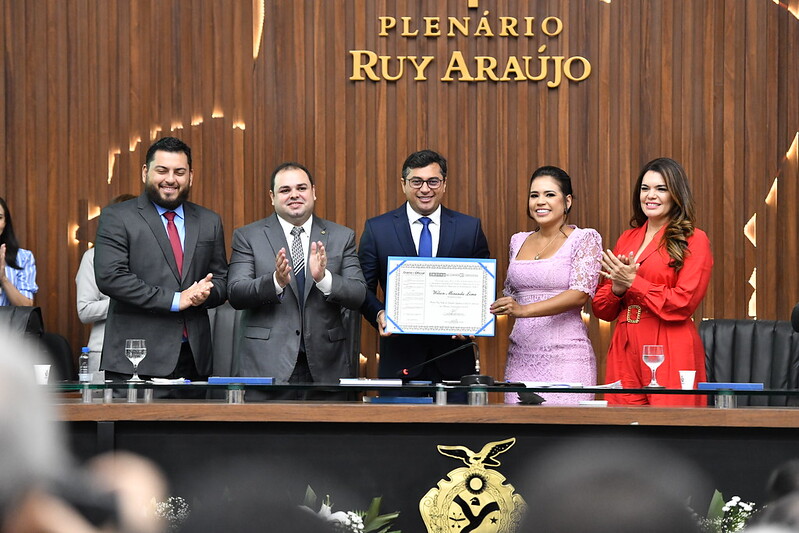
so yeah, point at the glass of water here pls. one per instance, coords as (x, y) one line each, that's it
(135, 351)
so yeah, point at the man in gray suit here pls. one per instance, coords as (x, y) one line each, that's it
(293, 273)
(162, 261)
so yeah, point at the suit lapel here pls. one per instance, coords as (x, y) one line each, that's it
(318, 234)
(403, 230)
(446, 234)
(153, 219)
(192, 228)
(652, 246)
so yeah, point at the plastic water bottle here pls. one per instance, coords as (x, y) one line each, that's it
(84, 376)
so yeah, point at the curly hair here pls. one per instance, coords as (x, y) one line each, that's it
(682, 217)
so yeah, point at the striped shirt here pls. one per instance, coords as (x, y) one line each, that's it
(23, 279)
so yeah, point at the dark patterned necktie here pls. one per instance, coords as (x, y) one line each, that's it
(297, 257)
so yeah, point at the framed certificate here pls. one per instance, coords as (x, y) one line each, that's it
(440, 296)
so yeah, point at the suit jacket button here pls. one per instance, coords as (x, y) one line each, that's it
(297, 332)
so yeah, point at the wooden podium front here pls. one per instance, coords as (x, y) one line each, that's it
(356, 451)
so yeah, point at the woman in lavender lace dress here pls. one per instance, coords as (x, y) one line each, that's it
(553, 271)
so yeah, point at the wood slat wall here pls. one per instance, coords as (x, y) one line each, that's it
(87, 84)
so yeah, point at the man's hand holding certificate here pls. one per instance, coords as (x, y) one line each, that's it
(440, 296)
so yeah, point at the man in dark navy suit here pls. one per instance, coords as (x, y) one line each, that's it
(420, 227)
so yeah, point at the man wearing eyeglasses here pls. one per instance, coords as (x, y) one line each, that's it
(421, 227)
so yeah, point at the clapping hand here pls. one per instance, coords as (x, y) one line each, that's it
(197, 294)
(317, 261)
(620, 269)
(282, 269)
(2, 262)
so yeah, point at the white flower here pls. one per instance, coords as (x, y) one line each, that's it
(326, 512)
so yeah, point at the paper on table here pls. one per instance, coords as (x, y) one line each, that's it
(553, 384)
(614, 385)
(166, 381)
(370, 382)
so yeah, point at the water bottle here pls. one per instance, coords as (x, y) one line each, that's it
(84, 376)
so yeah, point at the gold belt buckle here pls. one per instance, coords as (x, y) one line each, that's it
(637, 318)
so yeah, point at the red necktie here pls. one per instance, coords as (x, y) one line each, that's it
(177, 249)
(174, 239)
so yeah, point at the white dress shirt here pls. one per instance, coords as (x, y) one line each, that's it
(416, 226)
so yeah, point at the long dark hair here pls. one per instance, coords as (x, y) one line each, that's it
(682, 219)
(9, 238)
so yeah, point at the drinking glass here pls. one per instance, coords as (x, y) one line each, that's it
(135, 351)
(653, 357)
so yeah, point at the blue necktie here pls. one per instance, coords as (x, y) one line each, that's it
(425, 239)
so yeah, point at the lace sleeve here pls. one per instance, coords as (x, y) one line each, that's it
(586, 255)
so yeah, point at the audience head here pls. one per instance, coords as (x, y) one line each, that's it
(293, 193)
(424, 180)
(783, 480)
(32, 447)
(7, 235)
(783, 512)
(611, 486)
(167, 173)
(550, 196)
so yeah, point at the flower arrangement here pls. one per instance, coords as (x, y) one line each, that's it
(726, 517)
(174, 511)
(369, 521)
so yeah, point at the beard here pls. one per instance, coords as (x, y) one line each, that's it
(155, 196)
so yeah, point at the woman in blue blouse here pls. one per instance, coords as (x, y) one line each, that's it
(17, 266)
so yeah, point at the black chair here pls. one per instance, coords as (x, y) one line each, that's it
(225, 323)
(23, 320)
(60, 352)
(753, 351)
(352, 323)
(795, 317)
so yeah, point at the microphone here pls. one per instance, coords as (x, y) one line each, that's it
(405, 372)
(477, 378)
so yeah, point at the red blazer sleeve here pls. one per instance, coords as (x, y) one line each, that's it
(605, 304)
(678, 302)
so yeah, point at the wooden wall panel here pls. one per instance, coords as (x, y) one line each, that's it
(88, 84)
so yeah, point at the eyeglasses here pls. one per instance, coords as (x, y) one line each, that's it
(432, 183)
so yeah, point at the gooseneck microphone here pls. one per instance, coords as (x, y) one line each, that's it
(405, 372)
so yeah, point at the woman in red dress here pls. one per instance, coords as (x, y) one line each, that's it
(652, 282)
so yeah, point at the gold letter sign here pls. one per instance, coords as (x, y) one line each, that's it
(479, 25)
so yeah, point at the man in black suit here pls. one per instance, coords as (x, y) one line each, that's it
(402, 233)
(162, 261)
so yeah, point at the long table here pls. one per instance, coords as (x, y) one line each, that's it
(355, 451)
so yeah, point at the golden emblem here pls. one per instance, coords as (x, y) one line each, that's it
(473, 499)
